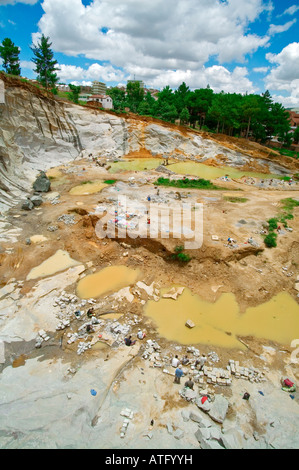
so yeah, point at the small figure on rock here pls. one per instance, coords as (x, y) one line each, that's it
(90, 312)
(178, 374)
(185, 360)
(189, 383)
(199, 363)
(129, 342)
(89, 329)
(141, 334)
(175, 361)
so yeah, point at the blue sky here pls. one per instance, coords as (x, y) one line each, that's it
(232, 45)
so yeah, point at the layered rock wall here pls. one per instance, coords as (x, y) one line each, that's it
(38, 132)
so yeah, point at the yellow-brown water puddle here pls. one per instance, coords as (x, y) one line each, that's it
(38, 239)
(220, 323)
(99, 345)
(110, 279)
(60, 261)
(89, 187)
(19, 361)
(54, 172)
(112, 316)
(186, 168)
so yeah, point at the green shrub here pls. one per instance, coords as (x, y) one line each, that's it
(272, 224)
(199, 183)
(110, 181)
(183, 257)
(270, 240)
(179, 255)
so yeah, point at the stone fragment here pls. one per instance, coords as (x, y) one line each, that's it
(27, 205)
(36, 200)
(218, 409)
(42, 183)
(232, 439)
(178, 433)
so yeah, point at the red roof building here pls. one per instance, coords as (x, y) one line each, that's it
(294, 119)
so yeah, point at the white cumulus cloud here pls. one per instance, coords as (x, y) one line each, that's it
(157, 39)
(274, 29)
(284, 76)
(105, 73)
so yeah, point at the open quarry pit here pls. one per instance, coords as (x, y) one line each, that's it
(67, 378)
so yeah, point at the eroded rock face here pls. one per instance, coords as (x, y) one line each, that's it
(38, 132)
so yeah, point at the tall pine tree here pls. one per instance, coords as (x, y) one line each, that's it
(9, 53)
(45, 63)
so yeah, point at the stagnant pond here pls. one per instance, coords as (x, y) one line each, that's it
(186, 168)
(107, 280)
(60, 261)
(220, 323)
(88, 187)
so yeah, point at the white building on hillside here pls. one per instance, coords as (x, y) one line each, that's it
(98, 88)
(104, 100)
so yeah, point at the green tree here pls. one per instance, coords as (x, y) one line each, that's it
(135, 95)
(296, 135)
(118, 97)
(280, 124)
(181, 97)
(75, 92)
(198, 104)
(184, 116)
(46, 65)
(9, 53)
(250, 109)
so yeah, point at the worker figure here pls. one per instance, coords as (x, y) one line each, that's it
(175, 362)
(178, 374)
(189, 383)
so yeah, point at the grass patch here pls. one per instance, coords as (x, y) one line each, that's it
(235, 199)
(86, 182)
(289, 204)
(186, 183)
(288, 153)
(110, 181)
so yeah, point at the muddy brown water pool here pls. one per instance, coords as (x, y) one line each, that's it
(220, 323)
(110, 279)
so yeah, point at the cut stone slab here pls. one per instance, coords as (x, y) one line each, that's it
(218, 409)
(185, 415)
(211, 444)
(209, 438)
(195, 417)
(233, 439)
(190, 324)
(206, 406)
(173, 293)
(178, 434)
